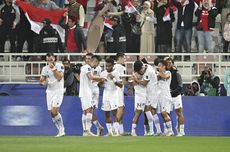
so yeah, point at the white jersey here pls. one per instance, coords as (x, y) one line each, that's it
(109, 84)
(54, 85)
(150, 75)
(140, 90)
(164, 86)
(120, 68)
(96, 71)
(85, 82)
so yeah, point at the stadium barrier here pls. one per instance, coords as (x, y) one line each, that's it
(20, 71)
(28, 116)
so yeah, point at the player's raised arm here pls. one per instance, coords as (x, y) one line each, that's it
(57, 71)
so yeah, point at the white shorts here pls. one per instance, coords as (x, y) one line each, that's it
(121, 98)
(140, 102)
(176, 102)
(86, 102)
(164, 104)
(95, 97)
(152, 100)
(110, 101)
(54, 100)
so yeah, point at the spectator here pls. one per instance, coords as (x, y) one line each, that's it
(206, 14)
(165, 17)
(77, 70)
(74, 39)
(45, 4)
(227, 81)
(69, 79)
(2, 2)
(10, 17)
(119, 38)
(193, 89)
(59, 3)
(224, 6)
(186, 9)
(209, 83)
(226, 34)
(148, 32)
(75, 9)
(49, 39)
(24, 33)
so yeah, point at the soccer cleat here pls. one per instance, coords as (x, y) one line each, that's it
(133, 133)
(99, 131)
(180, 134)
(169, 133)
(61, 133)
(110, 133)
(89, 133)
(150, 134)
(158, 134)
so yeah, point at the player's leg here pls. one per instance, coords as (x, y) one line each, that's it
(119, 115)
(54, 102)
(180, 117)
(135, 121)
(89, 117)
(150, 119)
(97, 123)
(116, 122)
(146, 125)
(164, 105)
(108, 123)
(156, 121)
(83, 121)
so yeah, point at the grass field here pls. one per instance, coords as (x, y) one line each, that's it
(113, 144)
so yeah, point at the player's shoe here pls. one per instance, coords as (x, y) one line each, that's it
(158, 134)
(169, 133)
(180, 134)
(89, 133)
(84, 133)
(150, 134)
(61, 133)
(133, 133)
(116, 133)
(110, 133)
(99, 131)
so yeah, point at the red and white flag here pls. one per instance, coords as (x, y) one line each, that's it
(167, 15)
(108, 23)
(129, 8)
(36, 15)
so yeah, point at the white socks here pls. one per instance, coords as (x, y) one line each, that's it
(181, 128)
(58, 122)
(157, 123)
(150, 121)
(88, 123)
(116, 127)
(134, 127)
(83, 120)
(109, 127)
(169, 125)
(97, 124)
(121, 129)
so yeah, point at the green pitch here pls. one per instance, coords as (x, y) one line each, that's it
(114, 144)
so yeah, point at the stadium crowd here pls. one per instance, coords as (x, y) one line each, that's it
(135, 26)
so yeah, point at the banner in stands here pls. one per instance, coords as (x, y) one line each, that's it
(28, 116)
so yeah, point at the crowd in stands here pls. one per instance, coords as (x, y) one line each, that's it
(137, 26)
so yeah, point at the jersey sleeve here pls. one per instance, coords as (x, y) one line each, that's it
(117, 76)
(147, 75)
(43, 73)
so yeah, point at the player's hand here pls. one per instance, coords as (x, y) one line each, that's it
(110, 76)
(65, 14)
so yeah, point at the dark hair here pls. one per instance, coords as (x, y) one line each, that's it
(96, 57)
(89, 54)
(137, 66)
(110, 60)
(77, 68)
(227, 15)
(163, 62)
(156, 61)
(120, 54)
(49, 54)
(170, 59)
(66, 59)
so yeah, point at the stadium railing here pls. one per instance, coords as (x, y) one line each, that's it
(13, 70)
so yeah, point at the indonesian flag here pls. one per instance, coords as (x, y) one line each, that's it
(108, 23)
(129, 8)
(36, 15)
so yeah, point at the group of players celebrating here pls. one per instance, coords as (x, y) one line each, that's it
(156, 89)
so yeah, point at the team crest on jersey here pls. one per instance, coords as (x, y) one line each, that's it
(147, 77)
(62, 67)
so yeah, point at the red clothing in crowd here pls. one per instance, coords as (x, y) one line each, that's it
(83, 2)
(71, 44)
(204, 20)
